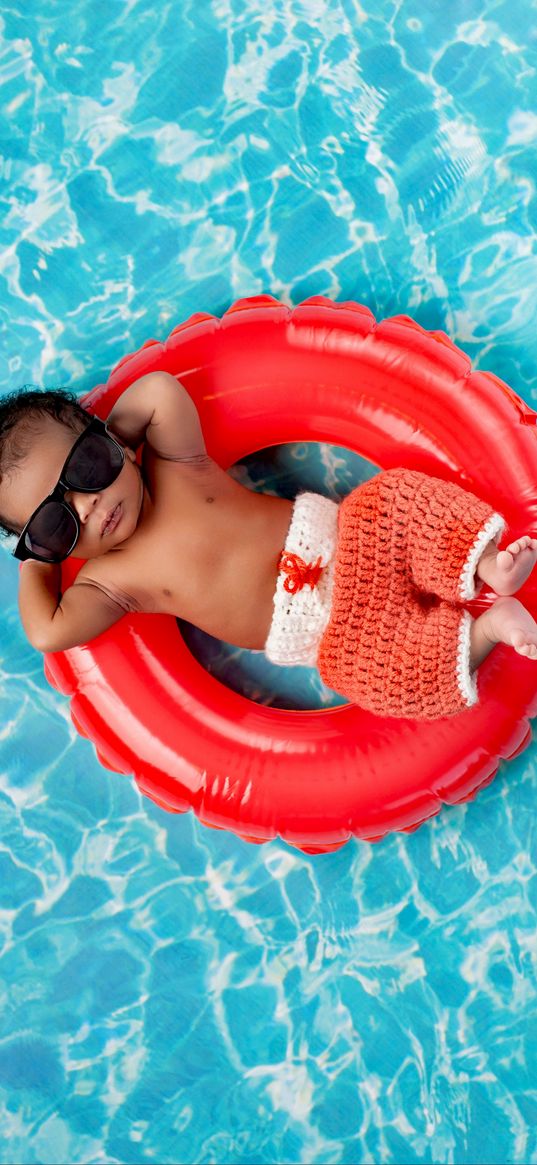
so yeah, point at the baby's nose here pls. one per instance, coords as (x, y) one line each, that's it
(83, 504)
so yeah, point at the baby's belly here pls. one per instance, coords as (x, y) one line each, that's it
(225, 583)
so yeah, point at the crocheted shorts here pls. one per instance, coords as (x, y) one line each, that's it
(389, 631)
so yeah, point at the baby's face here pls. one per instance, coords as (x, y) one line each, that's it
(35, 476)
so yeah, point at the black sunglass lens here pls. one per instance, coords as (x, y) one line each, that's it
(95, 463)
(52, 533)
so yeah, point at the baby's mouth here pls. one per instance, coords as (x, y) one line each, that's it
(111, 520)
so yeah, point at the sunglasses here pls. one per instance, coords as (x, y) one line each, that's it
(53, 530)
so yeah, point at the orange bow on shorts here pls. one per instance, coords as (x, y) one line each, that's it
(299, 573)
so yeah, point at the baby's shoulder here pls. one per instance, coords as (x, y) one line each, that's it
(111, 575)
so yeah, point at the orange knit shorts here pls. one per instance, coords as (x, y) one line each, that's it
(398, 639)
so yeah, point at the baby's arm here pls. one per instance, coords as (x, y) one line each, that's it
(55, 622)
(158, 409)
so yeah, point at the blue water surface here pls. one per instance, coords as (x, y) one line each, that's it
(169, 993)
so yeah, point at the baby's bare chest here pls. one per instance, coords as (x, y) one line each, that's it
(206, 546)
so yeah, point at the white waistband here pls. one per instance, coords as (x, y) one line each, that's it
(300, 618)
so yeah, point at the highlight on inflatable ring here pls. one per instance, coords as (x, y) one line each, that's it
(399, 396)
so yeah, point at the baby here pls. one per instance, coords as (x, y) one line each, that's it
(371, 591)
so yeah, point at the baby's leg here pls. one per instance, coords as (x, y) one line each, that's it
(507, 621)
(406, 658)
(506, 570)
(441, 530)
(388, 648)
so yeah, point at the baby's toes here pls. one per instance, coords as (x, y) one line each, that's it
(505, 561)
(529, 650)
(516, 547)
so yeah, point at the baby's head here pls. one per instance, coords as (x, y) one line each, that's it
(37, 432)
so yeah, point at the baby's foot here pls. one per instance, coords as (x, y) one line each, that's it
(507, 621)
(506, 570)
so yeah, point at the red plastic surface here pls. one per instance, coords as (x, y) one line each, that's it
(397, 395)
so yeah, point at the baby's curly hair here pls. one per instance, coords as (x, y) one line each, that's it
(20, 414)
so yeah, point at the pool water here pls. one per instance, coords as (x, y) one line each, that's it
(170, 993)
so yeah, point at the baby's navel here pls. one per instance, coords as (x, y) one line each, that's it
(209, 499)
(166, 592)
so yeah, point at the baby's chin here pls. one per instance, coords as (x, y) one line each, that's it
(111, 544)
(118, 537)
(98, 548)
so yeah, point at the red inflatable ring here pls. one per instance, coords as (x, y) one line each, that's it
(397, 395)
